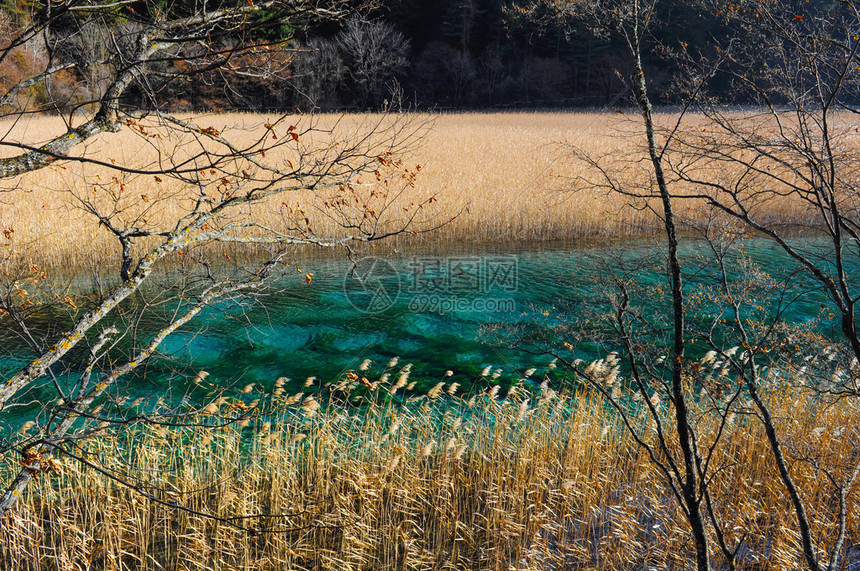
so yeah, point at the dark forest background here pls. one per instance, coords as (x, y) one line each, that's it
(437, 54)
(468, 54)
(473, 54)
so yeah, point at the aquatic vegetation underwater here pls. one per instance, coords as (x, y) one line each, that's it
(524, 478)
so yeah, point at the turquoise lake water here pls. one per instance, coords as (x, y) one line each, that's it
(439, 313)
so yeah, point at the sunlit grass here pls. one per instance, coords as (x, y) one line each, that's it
(534, 480)
(500, 177)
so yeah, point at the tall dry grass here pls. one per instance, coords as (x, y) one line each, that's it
(533, 481)
(502, 177)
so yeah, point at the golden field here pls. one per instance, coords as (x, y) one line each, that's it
(534, 480)
(506, 177)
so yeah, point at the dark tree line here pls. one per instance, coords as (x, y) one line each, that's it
(485, 54)
(446, 54)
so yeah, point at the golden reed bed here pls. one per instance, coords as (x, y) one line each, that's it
(532, 482)
(504, 177)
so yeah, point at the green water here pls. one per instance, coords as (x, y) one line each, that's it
(446, 313)
(439, 313)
